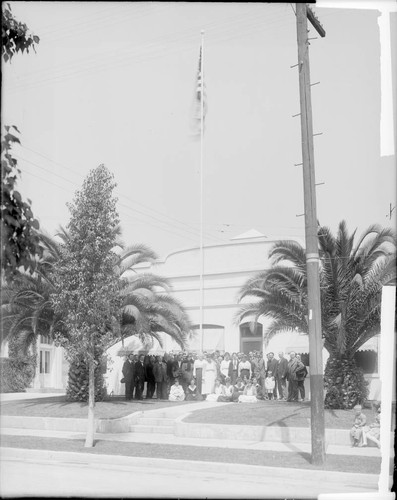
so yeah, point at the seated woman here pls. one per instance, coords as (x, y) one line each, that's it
(259, 392)
(249, 394)
(228, 391)
(238, 389)
(176, 392)
(219, 390)
(372, 432)
(192, 393)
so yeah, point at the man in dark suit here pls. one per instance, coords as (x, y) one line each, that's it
(233, 368)
(293, 366)
(139, 377)
(281, 376)
(160, 376)
(128, 374)
(272, 367)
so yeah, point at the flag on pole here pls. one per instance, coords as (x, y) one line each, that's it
(200, 94)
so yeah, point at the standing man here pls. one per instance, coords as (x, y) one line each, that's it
(128, 374)
(160, 376)
(177, 367)
(261, 376)
(293, 366)
(233, 368)
(301, 374)
(139, 377)
(281, 376)
(272, 367)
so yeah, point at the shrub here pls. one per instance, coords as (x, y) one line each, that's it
(345, 383)
(16, 374)
(77, 389)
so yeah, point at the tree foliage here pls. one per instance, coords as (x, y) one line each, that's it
(20, 243)
(86, 287)
(19, 240)
(15, 35)
(351, 280)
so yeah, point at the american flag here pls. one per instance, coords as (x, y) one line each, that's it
(200, 93)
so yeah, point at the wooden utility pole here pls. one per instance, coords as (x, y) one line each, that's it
(303, 12)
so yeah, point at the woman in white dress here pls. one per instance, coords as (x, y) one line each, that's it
(249, 395)
(219, 390)
(210, 376)
(199, 367)
(224, 368)
(176, 392)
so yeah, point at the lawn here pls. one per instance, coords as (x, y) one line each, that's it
(301, 460)
(277, 413)
(59, 407)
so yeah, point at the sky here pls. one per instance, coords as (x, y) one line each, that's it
(114, 83)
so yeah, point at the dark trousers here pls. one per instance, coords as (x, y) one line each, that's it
(129, 389)
(150, 387)
(139, 384)
(282, 387)
(161, 390)
(292, 390)
(301, 388)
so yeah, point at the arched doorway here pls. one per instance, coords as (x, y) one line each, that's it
(251, 340)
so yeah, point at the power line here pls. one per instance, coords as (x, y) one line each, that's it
(190, 230)
(153, 49)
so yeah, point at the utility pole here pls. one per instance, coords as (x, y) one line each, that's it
(303, 12)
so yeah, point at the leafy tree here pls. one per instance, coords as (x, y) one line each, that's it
(87, 289)
(351, 280)
(19, 240)
(15, 35)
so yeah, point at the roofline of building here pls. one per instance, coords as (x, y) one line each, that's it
(229, 243)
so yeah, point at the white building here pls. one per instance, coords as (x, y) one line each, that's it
(227, 266)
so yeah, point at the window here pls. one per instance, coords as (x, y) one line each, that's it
(367, 361)
(45, 339)
(44, 361)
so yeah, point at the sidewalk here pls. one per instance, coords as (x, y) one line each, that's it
(20, 396)
(131, 437)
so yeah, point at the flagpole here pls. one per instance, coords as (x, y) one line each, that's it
(201, 192)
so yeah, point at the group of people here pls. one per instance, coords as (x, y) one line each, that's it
(215, 377)
(361, 433)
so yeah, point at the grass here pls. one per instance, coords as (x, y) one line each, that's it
(59, 407)
(301, 460)
(263, 413)
(276, 413)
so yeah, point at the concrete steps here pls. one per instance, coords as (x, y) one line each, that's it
(153, 425)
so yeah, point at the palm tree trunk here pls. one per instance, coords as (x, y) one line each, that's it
(344, 382)
(89, 440)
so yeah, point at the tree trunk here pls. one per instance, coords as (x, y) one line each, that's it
(89, 440)
(344, 382)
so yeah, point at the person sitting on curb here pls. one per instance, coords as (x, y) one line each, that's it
(372, 432)
(176, 392)
(356, 432)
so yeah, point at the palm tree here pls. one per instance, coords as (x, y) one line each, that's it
(351, 280)
(146, 307)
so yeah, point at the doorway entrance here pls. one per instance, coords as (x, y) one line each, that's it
(251, 340)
